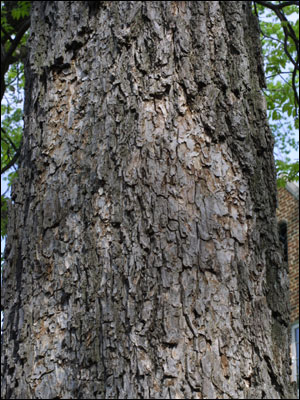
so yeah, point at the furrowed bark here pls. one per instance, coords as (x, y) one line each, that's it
(142, 258)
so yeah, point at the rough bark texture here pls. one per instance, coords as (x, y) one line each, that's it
(142, 258)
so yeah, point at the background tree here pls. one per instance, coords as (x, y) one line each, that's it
(279, 23)
(142, 256)
(15, 22)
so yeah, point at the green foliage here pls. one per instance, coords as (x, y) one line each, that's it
(12, 113)
(281, 56)
(287, 172)
(21, 10)
(14, 24)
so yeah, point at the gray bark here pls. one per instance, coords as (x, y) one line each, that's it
(142, 258)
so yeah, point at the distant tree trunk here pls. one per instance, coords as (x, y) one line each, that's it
(142, 259)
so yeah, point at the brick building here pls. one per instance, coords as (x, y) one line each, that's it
(288, 224)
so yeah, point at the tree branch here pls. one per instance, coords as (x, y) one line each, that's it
(17, 152)
(288, 33)
(9, 139)
(282, 17)
(279, 6)
(288, 3)
(271, 37)
(6, 57)
(6, 37)
(295, 86)
(18, 37)
(279, 73)
(12, 161)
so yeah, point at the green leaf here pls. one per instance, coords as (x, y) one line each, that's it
(21, 10)
(287, 172)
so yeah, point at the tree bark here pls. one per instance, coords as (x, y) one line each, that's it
(142, 257)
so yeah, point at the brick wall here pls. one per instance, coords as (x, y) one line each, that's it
(288, 210)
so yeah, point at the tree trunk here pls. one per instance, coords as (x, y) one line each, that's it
(142, 258)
